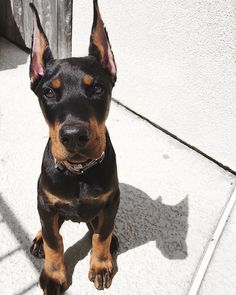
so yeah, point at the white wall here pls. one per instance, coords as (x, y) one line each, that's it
(176, 62)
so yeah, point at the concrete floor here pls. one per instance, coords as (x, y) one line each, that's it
(172, 199)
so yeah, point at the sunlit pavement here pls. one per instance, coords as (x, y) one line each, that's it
(172, 199)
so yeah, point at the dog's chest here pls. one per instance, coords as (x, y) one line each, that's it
(80, 204)
(78, 211)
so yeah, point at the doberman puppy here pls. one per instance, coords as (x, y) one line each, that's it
(78, 179)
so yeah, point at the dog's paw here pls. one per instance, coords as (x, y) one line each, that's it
(36, 248)
(52, 286)
(102, 272)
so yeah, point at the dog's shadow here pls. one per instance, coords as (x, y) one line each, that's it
(139, 221)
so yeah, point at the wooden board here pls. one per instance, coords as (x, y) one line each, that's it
(56, 16)
(64, 27)
(8, 25)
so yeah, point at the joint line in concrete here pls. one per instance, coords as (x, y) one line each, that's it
(176, 137)
(207, 256)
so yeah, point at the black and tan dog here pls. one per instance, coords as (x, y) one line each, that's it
(78, 179)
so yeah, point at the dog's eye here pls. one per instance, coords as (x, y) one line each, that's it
(98, 89)
(48, 92)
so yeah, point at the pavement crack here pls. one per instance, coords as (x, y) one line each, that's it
(221, 165)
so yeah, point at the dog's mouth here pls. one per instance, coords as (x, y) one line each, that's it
(82, 156)
(85, 161)
(77, 159)
(77, 162)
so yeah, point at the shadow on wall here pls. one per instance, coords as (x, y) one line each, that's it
(10, 56)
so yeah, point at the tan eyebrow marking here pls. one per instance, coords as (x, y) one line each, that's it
(56, 83)
(87, 80)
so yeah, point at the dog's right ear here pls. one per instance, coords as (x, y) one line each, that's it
(40, 51)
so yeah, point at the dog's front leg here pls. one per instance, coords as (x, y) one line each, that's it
(53, 276)
(104, 243)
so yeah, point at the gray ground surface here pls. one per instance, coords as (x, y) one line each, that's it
(171, 201)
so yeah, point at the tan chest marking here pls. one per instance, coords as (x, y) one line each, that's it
(54, 199)
(103, 198)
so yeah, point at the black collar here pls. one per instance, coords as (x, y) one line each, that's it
(79, 168)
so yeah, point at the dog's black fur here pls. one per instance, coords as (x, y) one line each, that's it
(74, 95)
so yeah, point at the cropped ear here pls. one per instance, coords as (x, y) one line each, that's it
(40, 51)
(99, 43)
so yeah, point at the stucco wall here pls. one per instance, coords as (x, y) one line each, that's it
(176, 62)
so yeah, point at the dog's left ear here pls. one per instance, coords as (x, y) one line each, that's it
(40, 51)
(99, 43)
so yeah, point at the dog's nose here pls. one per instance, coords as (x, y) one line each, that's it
(74, 136)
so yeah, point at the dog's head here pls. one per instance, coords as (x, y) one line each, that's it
(74, 93)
